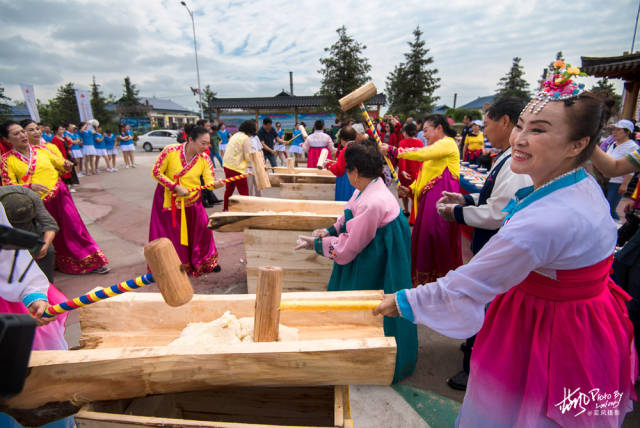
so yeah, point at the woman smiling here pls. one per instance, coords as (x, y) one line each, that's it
(556, 325)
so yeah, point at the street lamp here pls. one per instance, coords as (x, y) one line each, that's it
(193, 26)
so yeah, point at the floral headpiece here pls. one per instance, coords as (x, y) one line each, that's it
(558, 88)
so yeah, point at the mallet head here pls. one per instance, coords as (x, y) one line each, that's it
(168, 272)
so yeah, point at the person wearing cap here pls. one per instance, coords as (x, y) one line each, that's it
(26, 211)
(474, 142)
(621, 147)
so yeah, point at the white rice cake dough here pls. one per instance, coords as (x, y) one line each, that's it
(227, 329)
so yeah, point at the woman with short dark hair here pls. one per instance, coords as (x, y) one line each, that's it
(178, 170)
(370, 244)
(237, 158)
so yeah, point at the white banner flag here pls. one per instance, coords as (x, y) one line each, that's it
(84, 105)
(30, 100)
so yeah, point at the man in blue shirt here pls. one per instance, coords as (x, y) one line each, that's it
(268, 137)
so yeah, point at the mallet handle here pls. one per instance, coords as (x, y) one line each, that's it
(328, 305)
(375, 135)
(98, 295)
(226, 180)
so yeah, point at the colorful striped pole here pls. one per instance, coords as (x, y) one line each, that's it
(96, 296)
(226, 180)
(363, 109)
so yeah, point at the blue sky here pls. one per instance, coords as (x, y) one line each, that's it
(247, 48)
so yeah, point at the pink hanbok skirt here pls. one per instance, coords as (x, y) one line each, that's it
(314, 154)
(554, 352)
(435, 243)
(48, 337)
(200, 256)
(76, 251)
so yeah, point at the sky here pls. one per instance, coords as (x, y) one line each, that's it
(247, 48)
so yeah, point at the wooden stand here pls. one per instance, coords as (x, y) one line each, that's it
(267, 315)
(317, 192)
(324, 406)
(291, 164)
(125, 353)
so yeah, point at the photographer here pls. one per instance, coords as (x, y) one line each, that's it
(25, 211)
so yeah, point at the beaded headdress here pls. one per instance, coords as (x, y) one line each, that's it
(559, 87)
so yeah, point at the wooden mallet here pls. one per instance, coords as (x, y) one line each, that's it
(166, 271)
(358, 97)
(259, 170)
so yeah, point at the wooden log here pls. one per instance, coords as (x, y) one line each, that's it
(302, 178)
(303, 270)
(266, 321)
(291, 164)
(256, 204)
(322, 192)
(168, 272)
(259, 171)
(301, 170)
(233, 221)
(334, 348)
(358, 96)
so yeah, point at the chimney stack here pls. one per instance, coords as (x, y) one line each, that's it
(291, 83)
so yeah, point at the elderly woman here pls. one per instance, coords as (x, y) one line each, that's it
(237, 158)
(370, 245)
(555, 346)
(622, 146)
(178, 170)
(39, 169)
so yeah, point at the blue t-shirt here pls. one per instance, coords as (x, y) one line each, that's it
(123, 142)
(87, 138)
(72, 136)
(109, 141)
(47, 137)
(281, 134)
(99, 144)
(224, 136)
(297, 137)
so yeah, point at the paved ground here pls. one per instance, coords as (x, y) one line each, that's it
(116, 209)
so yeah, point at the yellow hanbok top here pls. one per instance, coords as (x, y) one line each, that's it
(435, 158)
(236, 156)
(172, 169)
(474, 142)
(41, 167)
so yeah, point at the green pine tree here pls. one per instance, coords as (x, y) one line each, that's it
(99, 106)
(603, 85)
(62, 108)
(343, 70)
(410, 86)
(513, 84)
(129, 94)
(207, 98)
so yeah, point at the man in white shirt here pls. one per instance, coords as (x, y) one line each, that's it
(622, 146)
(483, 211)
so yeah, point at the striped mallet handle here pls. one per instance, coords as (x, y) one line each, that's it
(375, 135)
(96, 296)
(328, 305)
(226, 180)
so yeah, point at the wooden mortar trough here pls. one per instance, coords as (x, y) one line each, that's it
(125, 353)
(271, 227)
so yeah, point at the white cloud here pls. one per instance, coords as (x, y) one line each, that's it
(247, 48)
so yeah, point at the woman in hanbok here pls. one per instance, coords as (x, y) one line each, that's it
(24, 289)
(370, 245)
(344, 189)
(316, 142)
(177, 212)
(39, 169)
(555, 347)
(435, 243)
(474, 143)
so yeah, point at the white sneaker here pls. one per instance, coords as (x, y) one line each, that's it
(133, 165)
(80, 174)
(126, 166)
(72, 190)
